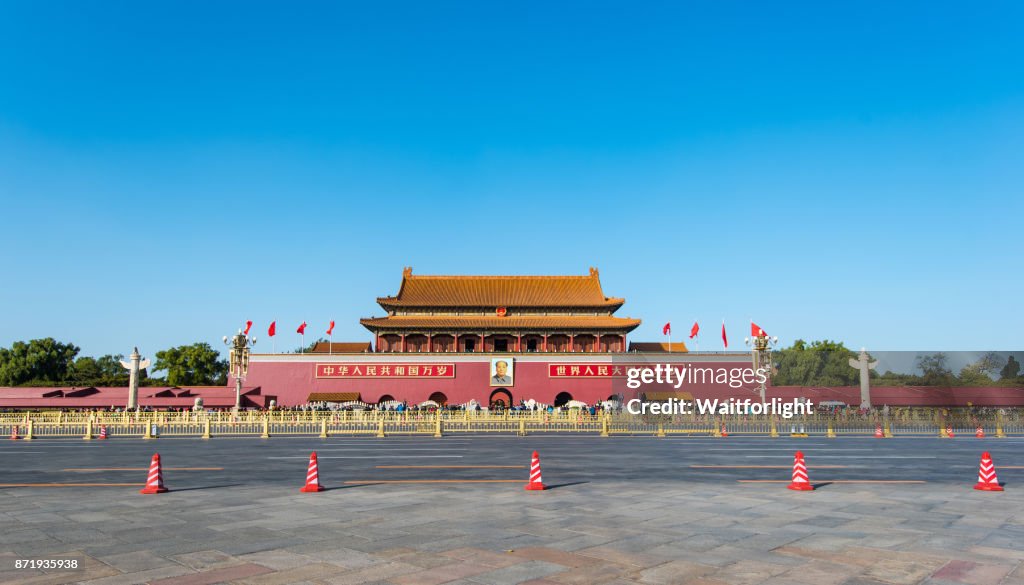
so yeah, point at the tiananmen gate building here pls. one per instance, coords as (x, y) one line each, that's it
(456, 339)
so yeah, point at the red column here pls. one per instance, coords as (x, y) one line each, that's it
(403, 343)
(483, 346)
(377, 347)
(430, 343)
(545, 342)
(572, 342)
(519, 342)
(623, 348)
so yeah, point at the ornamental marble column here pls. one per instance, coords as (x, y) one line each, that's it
(133, 367)
(864, 364)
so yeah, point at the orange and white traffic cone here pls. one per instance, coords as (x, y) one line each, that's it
(800, 482)
(724, 434)
(155, 480)
(987, 475)
(103, 432)
(14, 433)
(312, 476)
(980, 433)
(535, 480)
(878, 432)
(949, 432)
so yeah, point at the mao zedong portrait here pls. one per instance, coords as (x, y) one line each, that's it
(502, 375)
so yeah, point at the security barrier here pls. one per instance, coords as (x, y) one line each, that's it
(917, 422)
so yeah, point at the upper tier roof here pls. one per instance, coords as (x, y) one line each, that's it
(500, 291)
(474, 323)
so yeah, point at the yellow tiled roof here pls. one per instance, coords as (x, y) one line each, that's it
(677, 346)
(500, 291)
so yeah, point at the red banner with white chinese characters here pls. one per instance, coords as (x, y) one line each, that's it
(385, 371)
(586, 371)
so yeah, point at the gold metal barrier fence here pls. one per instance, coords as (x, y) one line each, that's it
(939, 423)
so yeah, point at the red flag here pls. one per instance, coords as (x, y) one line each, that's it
(272, 330)
(725, 340)
(667, 329)
(331, 328)
(302, 329)
(248, 325)
(756, 331)
(694, 330)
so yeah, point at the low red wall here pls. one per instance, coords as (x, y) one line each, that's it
(291, 383)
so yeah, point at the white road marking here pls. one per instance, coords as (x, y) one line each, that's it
(397, 449)
(38, 443)
(785, 447)
(813, 456)
(387, 443)
(370, 457)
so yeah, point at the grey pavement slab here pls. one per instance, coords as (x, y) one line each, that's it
(624, 510)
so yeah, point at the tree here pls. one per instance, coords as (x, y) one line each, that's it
(102, 371)
(1010, 370)
(39, 361)
(192, 365)
(980, 373)
(309, 348)
(819, 363)
(934, 371)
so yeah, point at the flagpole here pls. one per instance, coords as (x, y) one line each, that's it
(273, 342)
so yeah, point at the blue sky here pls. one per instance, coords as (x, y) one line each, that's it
(853, 172)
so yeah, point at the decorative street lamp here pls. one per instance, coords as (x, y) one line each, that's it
(239, 361)
(762, 356)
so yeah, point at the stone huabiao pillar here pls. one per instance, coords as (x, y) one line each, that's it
(136, 364)
(864, 364)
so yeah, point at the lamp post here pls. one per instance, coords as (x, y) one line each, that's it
(761, 352)
(239, 361)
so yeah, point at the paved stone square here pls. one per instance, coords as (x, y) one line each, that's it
(621, 510)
